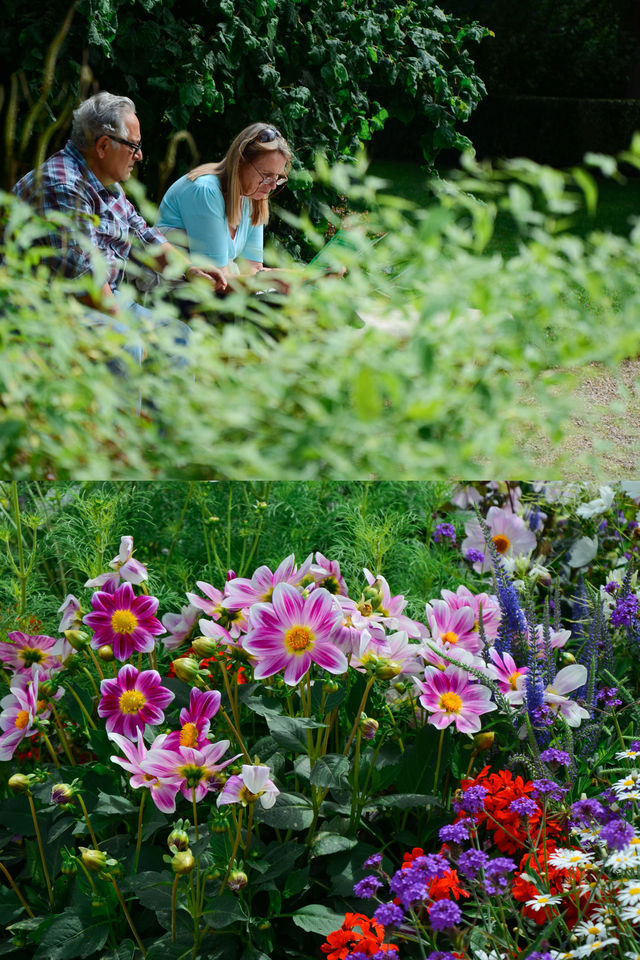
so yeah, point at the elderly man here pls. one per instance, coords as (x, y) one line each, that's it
(83, 179)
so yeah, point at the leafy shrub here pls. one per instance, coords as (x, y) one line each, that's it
(433, 354)
(328, 74)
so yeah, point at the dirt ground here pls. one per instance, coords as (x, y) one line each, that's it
(613, 447)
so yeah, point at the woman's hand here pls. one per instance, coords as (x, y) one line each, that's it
(213, 274)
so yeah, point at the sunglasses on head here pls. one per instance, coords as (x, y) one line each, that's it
(268, 135)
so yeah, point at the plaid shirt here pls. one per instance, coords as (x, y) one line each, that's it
(103, 214)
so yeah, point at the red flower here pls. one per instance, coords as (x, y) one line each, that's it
(367, 940)
(508, 828)
(573, 905)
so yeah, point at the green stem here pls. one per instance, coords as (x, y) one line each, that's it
(41, 848)
(93, 682)
(16, 890)
(174, 896)
(63, 736)
(236, 844)
(359, 714)
(179, 527)
(435, 780)
(82, 706)
(139, 840)
(249, 829)
(96, 663)
(356, 773)
(49, 747)
(128, 917)
(20, 568)
(85, 813)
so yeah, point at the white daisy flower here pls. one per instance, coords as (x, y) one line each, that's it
(629, 893)
(631, 913)
(627, 754)
(595, 945)
(542, 900)
(630, 782)
(622, 860)
(565, 858)
(590, 930)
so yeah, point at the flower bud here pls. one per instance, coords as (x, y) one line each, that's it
(94, 860)
(567, 658)
(183, 862)
(483, 741)
(62, 793)
(372, 595)
(237, 880)
(205, 647)
(331, 686)
(105, 653)
(78, 639)
(231, 574)
(388, 669)
(178, 839)
(47, 689)
(186, 669)
(20, 782)
(368, 727)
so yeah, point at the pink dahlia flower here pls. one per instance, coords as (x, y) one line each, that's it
(508, 676)
(133, 699)
(24, 651)
(292, 632)
(453, 628)
(124, 621)
(195, 720)
(557, 638)
(352, 625)
(395, 650)
(179, 626)
(124, 567)
(569, 678)
(253, 783)
(71, 613)
(388, 610)
(242, 592)
(450, 697)
(18, 716)
(184, 769)
(491, 612)
(510, 535)
(326, 573)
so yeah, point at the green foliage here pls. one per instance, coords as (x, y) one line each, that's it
(328, 74)
(433, 355)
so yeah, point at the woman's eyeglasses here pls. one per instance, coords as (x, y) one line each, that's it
(275, 183)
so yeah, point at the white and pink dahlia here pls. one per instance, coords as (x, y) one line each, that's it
(293, 632)
(450, 697)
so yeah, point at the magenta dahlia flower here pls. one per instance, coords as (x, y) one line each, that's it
(242, 592)
(509, 677)
(450, 697)
(179, 626)
(23, 651)
(491, 612)
(195, 719)
(18, 716)
(133, 699)
(253, 783)
(124, 621)
(184, 769)
(292, 632)
(453, 628)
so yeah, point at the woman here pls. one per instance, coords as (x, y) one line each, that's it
(222, 207)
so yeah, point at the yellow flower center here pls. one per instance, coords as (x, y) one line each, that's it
(298, 639)
(449, 637)
(131, 701)
(31, 655)
(634, 840)
(501, 543)
(633, 891)
(247, 797)
(450, 702)
(593, 930)
(22, 719)
(513, 680)
(123, 621)
(189, 735)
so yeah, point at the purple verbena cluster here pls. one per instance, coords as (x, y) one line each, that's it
(444, 531)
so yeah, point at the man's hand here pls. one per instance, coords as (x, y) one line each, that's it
(214, 275)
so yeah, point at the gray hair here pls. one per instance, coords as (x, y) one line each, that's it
(101, 114)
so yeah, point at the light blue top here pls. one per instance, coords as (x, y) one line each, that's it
(197, 208)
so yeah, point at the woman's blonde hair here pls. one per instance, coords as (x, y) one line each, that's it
(245, 147)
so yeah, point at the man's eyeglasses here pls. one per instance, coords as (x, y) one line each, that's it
(274, 182)
(134, 147)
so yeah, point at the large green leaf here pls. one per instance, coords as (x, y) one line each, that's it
(74, 933)
(331, 771)
(223, 911)
(316, 918)
(290, 812)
